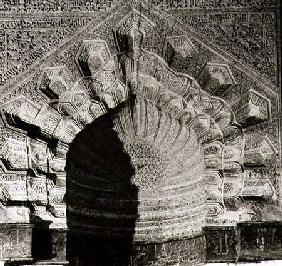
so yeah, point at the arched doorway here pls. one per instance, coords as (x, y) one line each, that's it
(135, 191)
(102, 201)
(151, 156)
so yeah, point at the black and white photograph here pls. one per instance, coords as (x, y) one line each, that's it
(140, 133)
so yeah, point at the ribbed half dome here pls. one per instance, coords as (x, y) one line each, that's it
(137, 170)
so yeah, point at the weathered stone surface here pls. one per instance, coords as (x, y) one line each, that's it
(13, 187)
(241, 33)
(38, 155)
(176, 46)
(221, 244)
(55, 81)
(92, 56)
(23, 108)
(14, 214)
(260, 240)
(189, 251)
(137, 130)
(260, 152)
(253, 108)
(216, 78)
(15, 241)
(14, 149)
(37, 190)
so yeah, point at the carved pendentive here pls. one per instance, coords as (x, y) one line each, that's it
(47, 119)
(22, 108)
(71, 101)
(113, 94)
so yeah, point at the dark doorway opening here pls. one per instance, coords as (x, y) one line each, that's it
(102, 202)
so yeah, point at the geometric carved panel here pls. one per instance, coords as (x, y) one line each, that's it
(172, 129)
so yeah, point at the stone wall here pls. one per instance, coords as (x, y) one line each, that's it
(149, 125)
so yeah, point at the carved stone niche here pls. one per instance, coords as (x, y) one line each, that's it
(216, 78)
(178, 46)
(261, 151)
(252, 108)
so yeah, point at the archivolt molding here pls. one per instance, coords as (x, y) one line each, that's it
(193, 139)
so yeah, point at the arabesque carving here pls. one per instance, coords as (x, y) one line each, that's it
(108, 137)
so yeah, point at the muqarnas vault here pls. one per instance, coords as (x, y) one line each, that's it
(129, 137)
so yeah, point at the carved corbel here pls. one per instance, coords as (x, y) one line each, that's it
(92, 56)
(216, 78)
(178, 46)
(252, 108)
(22, 108)
(54, 81)
(260, 153)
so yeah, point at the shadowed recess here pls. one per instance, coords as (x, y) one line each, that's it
(135, 189)
(101, 200)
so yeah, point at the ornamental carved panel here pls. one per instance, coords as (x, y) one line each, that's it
(138, 133)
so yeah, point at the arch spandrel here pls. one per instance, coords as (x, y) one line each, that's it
(184, 142)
